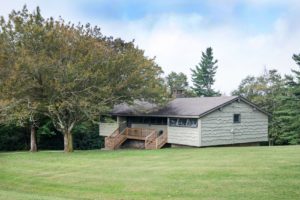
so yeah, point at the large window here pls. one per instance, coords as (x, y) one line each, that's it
(183, 122)
(147, 120)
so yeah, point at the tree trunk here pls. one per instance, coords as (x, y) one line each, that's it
(68, 142)
(33, 147)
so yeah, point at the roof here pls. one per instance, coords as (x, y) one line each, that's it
(184, 107)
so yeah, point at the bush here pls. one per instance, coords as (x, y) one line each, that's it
(13, 138)
(85, 136)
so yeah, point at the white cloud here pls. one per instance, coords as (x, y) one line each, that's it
(178, 39)
(178, 47)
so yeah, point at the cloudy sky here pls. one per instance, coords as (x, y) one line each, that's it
(246, 35)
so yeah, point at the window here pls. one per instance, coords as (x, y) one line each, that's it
(147, 120)
(237, 118)
(173, 121)
(154, 120)
(194, 123)
(183, 122)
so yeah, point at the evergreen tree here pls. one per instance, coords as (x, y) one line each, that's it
(289, 112)
(203, 76)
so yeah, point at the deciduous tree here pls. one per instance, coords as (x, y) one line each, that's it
(72, 73)
(178, 82)
(21, 47)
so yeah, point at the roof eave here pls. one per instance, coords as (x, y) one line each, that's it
(145, 115)
(255, 106)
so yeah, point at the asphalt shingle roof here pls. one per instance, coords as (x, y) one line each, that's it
(197, 106)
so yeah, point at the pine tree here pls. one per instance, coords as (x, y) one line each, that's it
(203, 76)
(289, 112)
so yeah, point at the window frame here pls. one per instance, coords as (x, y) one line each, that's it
(147, 120)
(234, 118)
(178, 122)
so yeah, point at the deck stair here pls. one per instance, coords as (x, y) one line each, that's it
(153, 140)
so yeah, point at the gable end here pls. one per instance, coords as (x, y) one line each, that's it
(238, 98)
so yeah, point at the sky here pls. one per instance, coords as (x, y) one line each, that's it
(247, 36)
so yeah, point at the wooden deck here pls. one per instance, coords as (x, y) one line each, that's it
(152, 139)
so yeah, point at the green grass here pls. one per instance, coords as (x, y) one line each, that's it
(204, 173)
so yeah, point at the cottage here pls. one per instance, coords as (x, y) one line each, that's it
(198, 122)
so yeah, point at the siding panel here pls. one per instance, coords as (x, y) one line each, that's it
(105, 129)
(218, 127)
(184, 136)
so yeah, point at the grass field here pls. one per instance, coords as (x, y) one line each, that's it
(206, 173)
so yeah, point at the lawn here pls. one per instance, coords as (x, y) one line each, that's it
(195, 173)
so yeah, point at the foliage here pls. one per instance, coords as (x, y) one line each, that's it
(71, 73)
(13, 138)
(86, 136)
(178, 82)
(203, 76)
(21, 59)
(289, 112)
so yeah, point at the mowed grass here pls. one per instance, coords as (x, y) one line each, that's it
(195, 173)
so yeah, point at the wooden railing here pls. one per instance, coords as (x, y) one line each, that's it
(138, 133)
(161, 140)
(114, 140)
(152, 139)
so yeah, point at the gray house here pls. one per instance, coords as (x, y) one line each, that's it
(198, 122)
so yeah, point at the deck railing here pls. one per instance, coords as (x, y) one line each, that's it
(138, 133)
(150, 136)
(161, 140)
(150, 140)
(114, 140)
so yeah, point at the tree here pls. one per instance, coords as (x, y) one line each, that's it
(176, 82)
(20, 50)
(73, 73)
(94, 78)
(203, 76)
(262, 90)
(289, 112)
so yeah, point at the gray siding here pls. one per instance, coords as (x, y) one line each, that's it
(105, 129)
(217, 128)
(184, 136)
